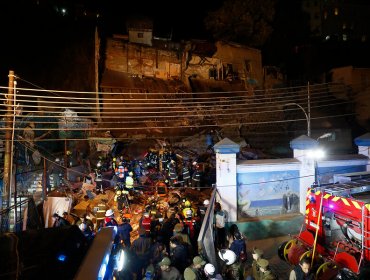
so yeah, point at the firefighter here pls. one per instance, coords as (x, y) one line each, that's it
(145, 223)
(186, 175)
(120, 199)
(172, 173)
(120, 173)
(196, 176)
(192, 228)
(187, 205)
(203, 209)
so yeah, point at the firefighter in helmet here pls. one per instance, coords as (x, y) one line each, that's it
(187, 205)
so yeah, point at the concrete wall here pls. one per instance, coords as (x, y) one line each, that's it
(277, 187)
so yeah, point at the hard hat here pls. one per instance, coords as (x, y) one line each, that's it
(194, 163)
(188, 213)
(109, 213)
(209, 269)
(206, 202)
(263, 263)
(57, 160)
(228, 256)
(118, 192)
(187, 203)
(114, 159)
(146, 214)
(130, 173)
(257, 252)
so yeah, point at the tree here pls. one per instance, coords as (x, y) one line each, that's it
(242, 21)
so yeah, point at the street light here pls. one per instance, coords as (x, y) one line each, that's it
(308, 117)
(317, 154)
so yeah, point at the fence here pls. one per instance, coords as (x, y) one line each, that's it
(206, 245)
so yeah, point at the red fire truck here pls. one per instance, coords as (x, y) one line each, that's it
(336, 232)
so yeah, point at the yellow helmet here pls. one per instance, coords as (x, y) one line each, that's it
(118, 192)
(187, 203)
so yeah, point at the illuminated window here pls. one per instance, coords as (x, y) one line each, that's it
(140, 35)
(336, 11)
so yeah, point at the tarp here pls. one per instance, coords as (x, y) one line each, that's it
(55, 205)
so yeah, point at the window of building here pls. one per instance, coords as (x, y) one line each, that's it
(140, 35)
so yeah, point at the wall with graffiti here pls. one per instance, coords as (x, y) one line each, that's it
(326, 174)
(268, 193)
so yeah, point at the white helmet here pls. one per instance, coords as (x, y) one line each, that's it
(209, 269)
(206, 202)
(109, 213)
(188, 213)
(228, 256)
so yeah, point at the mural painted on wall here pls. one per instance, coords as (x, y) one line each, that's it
(325, 174)
(268, 193)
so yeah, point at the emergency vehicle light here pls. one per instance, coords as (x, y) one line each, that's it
(62, 258)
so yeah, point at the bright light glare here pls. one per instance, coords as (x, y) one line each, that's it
(121, 260)
(102, 270)
(316, 154)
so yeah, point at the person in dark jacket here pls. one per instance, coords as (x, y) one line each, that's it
(302, 271)
(179, 254)
(141, 248)
(124, 230)
(238, 246)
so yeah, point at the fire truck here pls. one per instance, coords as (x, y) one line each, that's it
(336, 231)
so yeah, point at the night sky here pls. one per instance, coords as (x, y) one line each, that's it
(33, 35)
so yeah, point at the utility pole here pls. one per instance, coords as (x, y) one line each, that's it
(8, 137)
(308, 109)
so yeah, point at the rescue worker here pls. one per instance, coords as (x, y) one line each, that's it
(196, 176)
(145, 223)
(192, 228)
(187, 205)
(253, 271)
(302, 271)
(231, 268)
(195, 270)
(109, 218)
(114, 164)
(265, 272)
(203, 209)
(186, 175)
(120, 199)
(129, 181)
(172, 173)
(120, 173)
